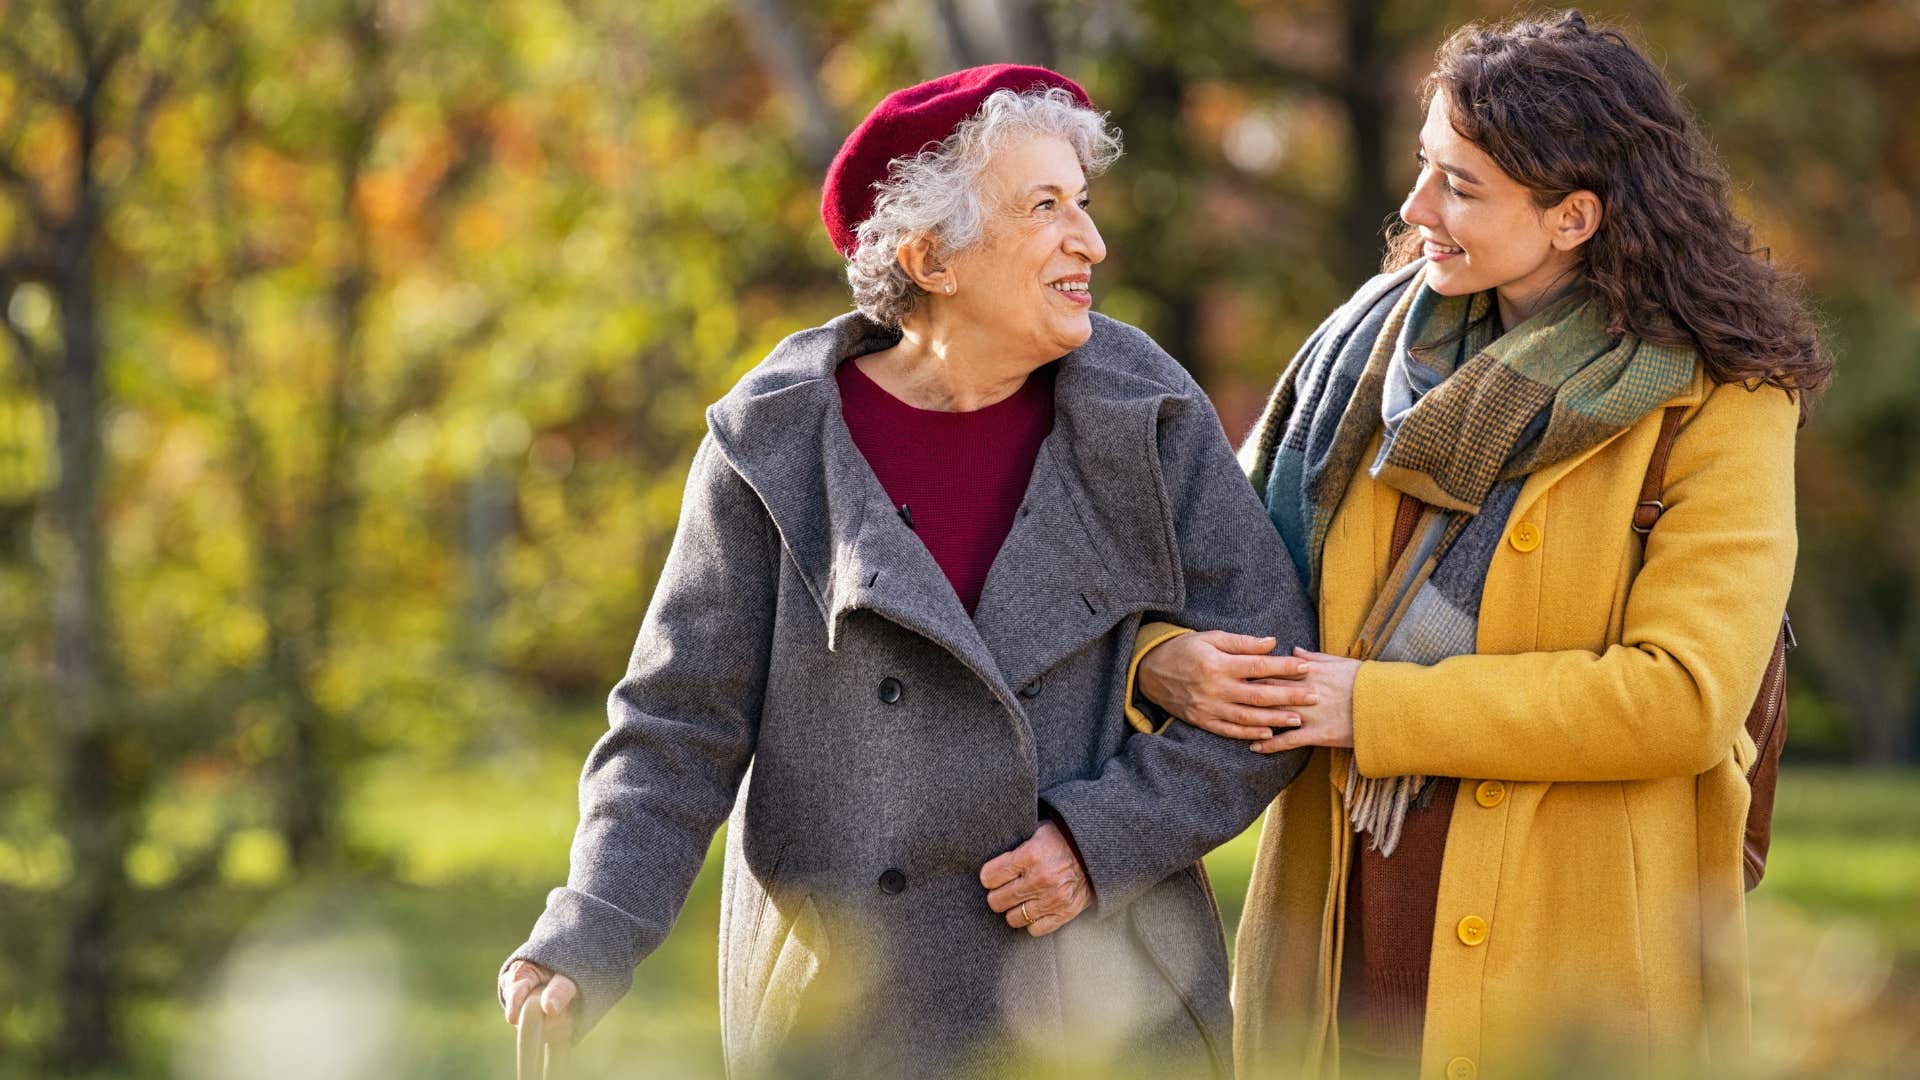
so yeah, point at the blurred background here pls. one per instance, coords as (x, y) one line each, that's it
(354, 352)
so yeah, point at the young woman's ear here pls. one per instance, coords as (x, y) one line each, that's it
(916, 258)
(1574, 220)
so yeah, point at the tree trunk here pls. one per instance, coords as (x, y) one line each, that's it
(314, 751)
(93, 789)
(791, 58)
(1159, 258)
(974, 32)
(1365, 98)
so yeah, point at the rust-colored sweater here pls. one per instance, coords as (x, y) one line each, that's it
(1390, 910)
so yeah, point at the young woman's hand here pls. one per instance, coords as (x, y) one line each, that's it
(1328, 722)
(1228, 684)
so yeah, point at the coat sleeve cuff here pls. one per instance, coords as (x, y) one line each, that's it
(1375, 695)
(1142, 714)
(589, 941)
(1104, 836)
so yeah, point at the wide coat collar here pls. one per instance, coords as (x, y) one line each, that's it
(1089, 545)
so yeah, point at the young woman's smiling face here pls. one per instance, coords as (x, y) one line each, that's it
(1481, 229)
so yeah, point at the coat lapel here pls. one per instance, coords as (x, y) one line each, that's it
(882, 567)
(782, 429)
(1048, 592)
(1089, 545)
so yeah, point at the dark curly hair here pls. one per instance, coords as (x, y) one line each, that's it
(1563, 107)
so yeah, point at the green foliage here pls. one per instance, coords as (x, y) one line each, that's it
(409, 312)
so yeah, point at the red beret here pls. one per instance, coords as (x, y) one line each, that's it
(903, 124)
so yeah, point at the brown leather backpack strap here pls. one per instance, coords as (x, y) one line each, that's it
(1649, 508)
(1767, 719)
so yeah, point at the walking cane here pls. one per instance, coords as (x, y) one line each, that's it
(535, 1057)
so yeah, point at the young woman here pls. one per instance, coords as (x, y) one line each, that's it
(1518, 841)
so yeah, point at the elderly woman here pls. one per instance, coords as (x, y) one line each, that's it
(915, 547)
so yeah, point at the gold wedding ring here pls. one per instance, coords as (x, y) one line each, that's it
(1024, 915)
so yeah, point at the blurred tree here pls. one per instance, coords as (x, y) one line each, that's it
(1233, 106)
(295, 514)
(968, 33)
(1813, 108)
(86, 80)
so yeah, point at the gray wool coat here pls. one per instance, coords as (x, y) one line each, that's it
(804, 651)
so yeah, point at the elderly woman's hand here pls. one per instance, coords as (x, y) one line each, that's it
(1330, 722)
(522, 978)
(1228, 684)
(1040, 885)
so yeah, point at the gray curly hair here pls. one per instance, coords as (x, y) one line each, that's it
(936, 191)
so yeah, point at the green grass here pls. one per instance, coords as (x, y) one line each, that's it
(391, 972)
(1847, 844)
(1836, 960)
(1834, 929)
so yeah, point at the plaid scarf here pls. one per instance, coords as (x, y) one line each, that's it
(1466, 417)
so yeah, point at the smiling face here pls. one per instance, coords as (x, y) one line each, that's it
(1482, 229)
(1027, 285)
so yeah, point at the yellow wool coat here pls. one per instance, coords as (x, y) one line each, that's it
(1591, 906)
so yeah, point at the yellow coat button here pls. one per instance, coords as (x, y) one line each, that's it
(1525, 536)
(1462, 1069)
(1490, 793)
(1472, 930)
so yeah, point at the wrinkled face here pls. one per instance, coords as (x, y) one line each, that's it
(1028, 282)
(1480, 226)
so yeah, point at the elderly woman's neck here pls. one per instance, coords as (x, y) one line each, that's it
(945, 372)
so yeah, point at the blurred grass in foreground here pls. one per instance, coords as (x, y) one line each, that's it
(394, 977)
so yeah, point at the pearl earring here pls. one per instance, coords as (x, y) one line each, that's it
(949, 288)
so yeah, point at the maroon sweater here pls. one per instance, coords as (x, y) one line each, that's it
(960, 475)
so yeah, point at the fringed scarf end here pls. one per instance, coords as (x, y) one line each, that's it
(1378, 806)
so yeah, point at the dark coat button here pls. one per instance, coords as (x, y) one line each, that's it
(1032, 689)
(890, 690)
(893, 882)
